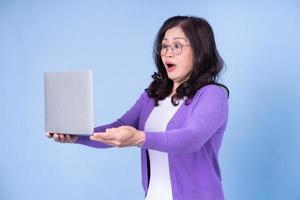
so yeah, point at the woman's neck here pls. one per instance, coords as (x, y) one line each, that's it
(173, 90)
(176, 85)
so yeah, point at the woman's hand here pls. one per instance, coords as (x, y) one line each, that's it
(63, 138)
(120, 137)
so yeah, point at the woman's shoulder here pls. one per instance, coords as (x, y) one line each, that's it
(145, 97)
(212, 90)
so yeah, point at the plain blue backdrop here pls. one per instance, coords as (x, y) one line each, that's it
(259, 41)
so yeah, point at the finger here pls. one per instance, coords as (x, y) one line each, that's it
(68, 137)
(49, 135)
(103, 135)
(98, 137)
(113, 142)
(109, 142)
(62, 138)
(103, 140)
(74, 138)
(56, 137)
(111, 131)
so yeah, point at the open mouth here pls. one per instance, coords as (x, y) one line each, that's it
(170, 67)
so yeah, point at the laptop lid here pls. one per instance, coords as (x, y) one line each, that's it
(69, 102)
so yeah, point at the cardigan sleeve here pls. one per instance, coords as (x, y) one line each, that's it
(130, 118)
(209, 114)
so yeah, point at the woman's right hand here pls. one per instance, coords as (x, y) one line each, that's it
(63, 138)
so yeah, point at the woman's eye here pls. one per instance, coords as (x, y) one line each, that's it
(164, 46)
(177, 45)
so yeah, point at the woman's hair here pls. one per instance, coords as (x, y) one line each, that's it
(207, 63)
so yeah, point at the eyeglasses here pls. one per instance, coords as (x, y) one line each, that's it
(176, 48)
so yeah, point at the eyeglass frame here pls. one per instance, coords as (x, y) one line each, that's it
(172, 47)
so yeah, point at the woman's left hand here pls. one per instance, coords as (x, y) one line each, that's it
(122, 136)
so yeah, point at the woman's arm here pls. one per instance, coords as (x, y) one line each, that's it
(130, 118)
(209, 115)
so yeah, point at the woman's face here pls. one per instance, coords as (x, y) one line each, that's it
(177, 55)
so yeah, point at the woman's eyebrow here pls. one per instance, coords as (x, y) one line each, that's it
(180, 38)
(175, 38)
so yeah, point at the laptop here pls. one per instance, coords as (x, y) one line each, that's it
(69, 102)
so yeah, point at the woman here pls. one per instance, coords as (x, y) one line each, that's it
(179, 120)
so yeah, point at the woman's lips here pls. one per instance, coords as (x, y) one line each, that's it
(170, 67)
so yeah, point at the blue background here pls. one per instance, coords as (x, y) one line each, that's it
(259, 41)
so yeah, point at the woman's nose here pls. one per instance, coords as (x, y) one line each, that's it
(170, 52)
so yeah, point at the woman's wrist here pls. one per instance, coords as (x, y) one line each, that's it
(141, 138)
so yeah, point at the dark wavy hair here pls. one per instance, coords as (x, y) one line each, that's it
(207, 62)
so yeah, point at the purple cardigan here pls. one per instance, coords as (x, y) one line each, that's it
(192, 140)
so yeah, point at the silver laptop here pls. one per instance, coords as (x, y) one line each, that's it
(69, 102)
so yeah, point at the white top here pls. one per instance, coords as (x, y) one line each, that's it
(160, 183)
